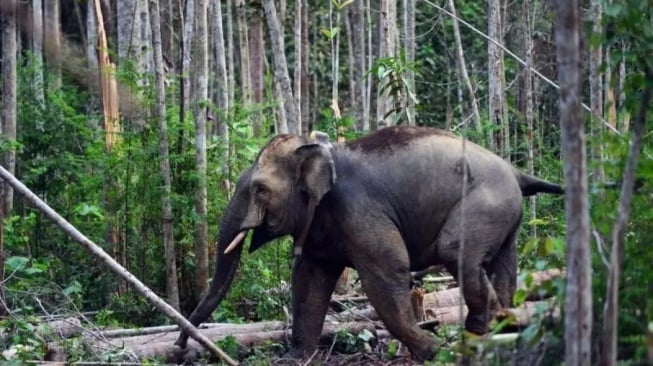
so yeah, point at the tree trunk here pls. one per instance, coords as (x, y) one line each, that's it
(462, 70)
(358, 67)
(243, 42)
(172, 288)
(387, 48)
(307, 123)
(367, 103)
(231, 78)
(623, 111)
(281, 68)
(409, 46)
(257, 68)
(334, 40)
(199, 72)
(297, 87)
(37, 49)
(188, 22)
(611, 312)
(578, 297)
(496, 107)
(222, 129)
(9, 118)
(91, 36)
(596, 92)
(52, 32)
(527, 39)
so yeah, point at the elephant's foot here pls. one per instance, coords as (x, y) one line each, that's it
(425, 350)
(182, 356)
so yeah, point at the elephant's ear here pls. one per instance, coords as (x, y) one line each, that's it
(316, 170)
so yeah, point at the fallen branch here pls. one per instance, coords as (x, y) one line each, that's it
(114, 266)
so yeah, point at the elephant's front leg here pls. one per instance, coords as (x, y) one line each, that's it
(312, 286)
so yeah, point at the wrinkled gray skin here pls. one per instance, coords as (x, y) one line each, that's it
(387, 204)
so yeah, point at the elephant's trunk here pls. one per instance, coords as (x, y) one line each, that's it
(227, 264)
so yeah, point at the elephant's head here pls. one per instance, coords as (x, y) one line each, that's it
(276, 196)
(288, 179)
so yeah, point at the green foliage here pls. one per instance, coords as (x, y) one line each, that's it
(347, 342)
(22, 339)
(391, 72)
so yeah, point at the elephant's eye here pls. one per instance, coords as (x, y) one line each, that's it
(261, 192)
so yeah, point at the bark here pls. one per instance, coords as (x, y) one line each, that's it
(111, 264)
(133, 33)
(186, 48)
(596, 90)
(462, 70)
(243, 42)
(52, 30)
(307, 123)
(578, 297)
(297, 87)
(527, 39)
(409, 46)
(231, 78)
(387, 48)
(222, 129)
(281, 68)
(335, 54)
(610, 98)
(172, 287)
(496, 104)
(199, 71)
(367, 109)
(358, 67)
(625, 114)
(611, 310)
(91, 36)
(9, 118)
(4, 311)
(257, 68)
(37, 49)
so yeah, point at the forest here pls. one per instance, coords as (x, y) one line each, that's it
(126, 124)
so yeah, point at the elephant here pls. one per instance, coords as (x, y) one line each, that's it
(394, 201)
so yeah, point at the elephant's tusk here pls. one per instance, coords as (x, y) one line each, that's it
(237, 240)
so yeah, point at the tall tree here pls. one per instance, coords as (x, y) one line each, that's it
(596, 89)
(387, 48)
(199, 72)
(133, 33)
(527, 76)
(37, 51)
(608, 354)
(409, 46)
(172, 288)
(243, 42)
(222, 129)
(298, 59)
(461, 66)
(91, 36)
(496, 88)
(9, 118)
(281, 74)
(356, 19)
(578, 298)
(231, 78)
(52, 32)
(257, 67)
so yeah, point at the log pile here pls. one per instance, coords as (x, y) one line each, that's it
(352, 314)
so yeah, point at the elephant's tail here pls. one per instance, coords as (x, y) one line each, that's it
(531, 185)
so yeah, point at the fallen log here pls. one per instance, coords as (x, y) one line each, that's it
(247, 335)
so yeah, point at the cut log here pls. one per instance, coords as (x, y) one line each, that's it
(247, 335)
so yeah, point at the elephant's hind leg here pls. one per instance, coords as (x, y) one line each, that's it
(486, 229)
(383, 266)
(502, 271)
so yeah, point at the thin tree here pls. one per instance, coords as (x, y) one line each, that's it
(304, 92)
(231, 77)
(596, 89)
(243, 42)
(578, 291)
(9, 118)
(408, 16)
(52, 31)
(257, 67)
(91, 36)
(37, 51)
(297, 79)
(611, 311)
(496, 88)
(358, 67)
(199, 72)
(172, 287)
(222, 129)
(281, 74)
(527, 44)
(188, 21)
(387, 48)
(462, 69)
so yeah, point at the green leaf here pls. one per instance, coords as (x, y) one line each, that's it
(15, 263)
